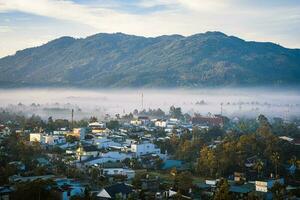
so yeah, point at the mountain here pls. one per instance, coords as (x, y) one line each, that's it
(120, 60)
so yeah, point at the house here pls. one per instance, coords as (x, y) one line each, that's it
(151, 185)
(54, 139)
(17, 178)
(241, 191)
(4, 131)
(129, 173)
(104, 142)
(19, 165)
(112, 156)
(144, 148)
(171, 194)
(61, 131)
(68, 188)
(116, 191)
(136, 122)
(144, 119)
(239, 177)
(5, 192)
(115, 169)
(161, 123)
(212, 120)
(288, 139)
(36, 137)
(42, 161)
(266, 185)
(86, 151)
(78, 132)
(97, 127)
(141, 120)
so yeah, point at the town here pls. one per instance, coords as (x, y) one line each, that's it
(149, 154)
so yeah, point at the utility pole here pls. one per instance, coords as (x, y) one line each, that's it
(221, 108)
(142, 101)
(72, 122)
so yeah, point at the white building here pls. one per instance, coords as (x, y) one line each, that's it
(36, 137)
(111, 156)
(97, 127)
(54, 139)
(4, 131)
(140, 149)
(60, 132)
(104, 142)
(119, 171)
(161, 123)
(80, 132)
(265, 186)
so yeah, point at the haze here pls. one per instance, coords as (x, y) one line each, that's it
(245, 102)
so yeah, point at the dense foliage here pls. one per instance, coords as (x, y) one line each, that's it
(119, 60)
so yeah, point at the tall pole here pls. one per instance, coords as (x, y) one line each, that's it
(142, 101)
(72, 118)
(221, 108)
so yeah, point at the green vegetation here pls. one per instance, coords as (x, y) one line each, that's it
(120, 60)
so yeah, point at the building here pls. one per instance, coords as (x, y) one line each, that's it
(68, 188)
(144, 148)
(266, 185)
(161, 123)
(212, 120)
(239, 177)
(116, 191)
(17, 178)
(4, 131)
(129, 173)
(36, 137)
(86, 152)
(5, 192)
(141, 120)
(136, 122)
(105, 142)
(111, 156)
(54, 139)
(97, 127)
(79, 133)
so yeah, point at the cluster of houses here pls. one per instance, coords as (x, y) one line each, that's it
(240, 187)
(97, 146)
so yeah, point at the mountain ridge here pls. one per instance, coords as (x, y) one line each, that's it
(120, 60)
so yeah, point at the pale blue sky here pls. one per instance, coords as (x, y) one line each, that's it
(27, 23)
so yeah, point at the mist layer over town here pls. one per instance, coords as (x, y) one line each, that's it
(244, 102)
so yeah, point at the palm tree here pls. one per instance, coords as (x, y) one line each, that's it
(259, 165)
(275, 158)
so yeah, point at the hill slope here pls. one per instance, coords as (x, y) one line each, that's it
(120, 60)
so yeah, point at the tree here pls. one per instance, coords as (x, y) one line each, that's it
(183, 182)
(113, 124)
(50, 124)
(34, 190)
(222, 191)
(71, 139)
(93, 119)
(278, 190)
(207, 162)
(175, 112)
(259, 167)
(275, 158)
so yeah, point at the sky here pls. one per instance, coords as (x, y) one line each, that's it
(29, 23)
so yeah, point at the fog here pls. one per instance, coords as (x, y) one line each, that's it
(58, 103)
